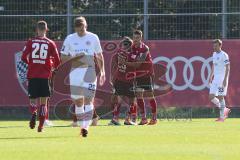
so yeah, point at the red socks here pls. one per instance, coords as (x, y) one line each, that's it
(116, 110)
(42, 115)
(153, 105)
(142, 109)
(33, 108)
(133, 111)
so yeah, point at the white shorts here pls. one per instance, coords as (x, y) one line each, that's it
(83, 83)
(217, 89)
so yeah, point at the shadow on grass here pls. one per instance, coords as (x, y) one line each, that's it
(55, 126)
(2, 127)
(49, 137)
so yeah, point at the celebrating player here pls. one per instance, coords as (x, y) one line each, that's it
(122, 85)
(86, 47)
(38, 53)
(144, 79)
(219, 79)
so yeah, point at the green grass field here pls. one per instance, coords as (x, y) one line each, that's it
(199, 139)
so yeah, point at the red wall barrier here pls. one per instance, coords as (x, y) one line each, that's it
(188, 61)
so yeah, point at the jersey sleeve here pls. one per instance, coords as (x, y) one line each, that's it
(55, 55)
(226, 59)
(65, 50)
(97, 46)
(26, 52)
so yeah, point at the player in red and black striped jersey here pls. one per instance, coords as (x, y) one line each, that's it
(144, 77)
(122, 81)
(38, 53)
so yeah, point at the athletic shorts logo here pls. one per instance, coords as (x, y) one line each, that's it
(188, 73)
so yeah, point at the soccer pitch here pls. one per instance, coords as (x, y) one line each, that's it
(181, 140)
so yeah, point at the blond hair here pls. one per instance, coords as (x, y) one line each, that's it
(219, 41)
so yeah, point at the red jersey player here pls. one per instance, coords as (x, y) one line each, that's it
(144, 77)
(122, 84)
(38, 53)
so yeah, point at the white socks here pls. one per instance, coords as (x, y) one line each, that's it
(88, 116)
(222, 106)
(84, 116)
(79, 111)
(215, 101)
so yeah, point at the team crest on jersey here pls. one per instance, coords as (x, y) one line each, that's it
(88, 43)
(21, 71)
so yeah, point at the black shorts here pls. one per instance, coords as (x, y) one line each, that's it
(38, 87)
(145, 83)
(124, 89)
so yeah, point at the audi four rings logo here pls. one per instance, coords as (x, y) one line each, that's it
(188, 78)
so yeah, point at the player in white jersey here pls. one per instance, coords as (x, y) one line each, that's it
(83, 78)
(219, 79)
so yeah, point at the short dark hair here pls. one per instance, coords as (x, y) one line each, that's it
(219, 41)
(79, 21)
(127, 41)
(138, 32)
(42, 25)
